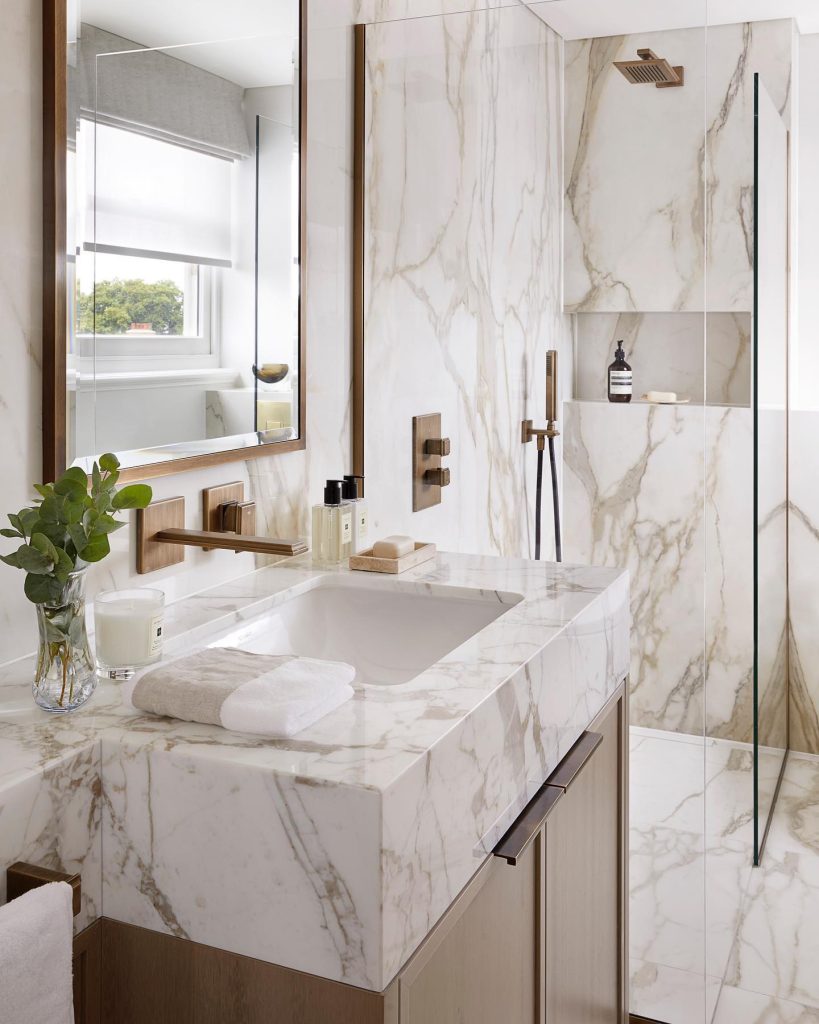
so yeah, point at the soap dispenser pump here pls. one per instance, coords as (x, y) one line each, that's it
(351, 493)
(332, 526)
(620, 378)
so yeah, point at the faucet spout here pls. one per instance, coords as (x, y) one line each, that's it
(230, 541)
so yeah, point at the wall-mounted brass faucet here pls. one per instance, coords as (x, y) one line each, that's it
(227, 518)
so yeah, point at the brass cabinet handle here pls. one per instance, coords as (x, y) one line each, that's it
(534, 816)
(575, 761)
(522, 833)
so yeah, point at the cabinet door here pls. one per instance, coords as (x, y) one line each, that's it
(481, 962)
(87, 967)
(585, 887)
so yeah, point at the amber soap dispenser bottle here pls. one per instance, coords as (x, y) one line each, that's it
(620, 377)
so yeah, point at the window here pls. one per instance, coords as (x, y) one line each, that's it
(152, 237)
(134, 305)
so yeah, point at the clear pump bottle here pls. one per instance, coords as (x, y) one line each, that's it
(350, 493)
(332, 527)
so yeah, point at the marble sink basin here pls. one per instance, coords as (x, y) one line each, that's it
(389, 630)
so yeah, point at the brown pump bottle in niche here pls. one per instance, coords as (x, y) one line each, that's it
(620, 377)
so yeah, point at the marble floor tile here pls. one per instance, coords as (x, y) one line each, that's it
(795, 825)
(673, 996)
(776, 952)
(701, 915)
(777, 945)
(666, 784)
(738, 1006)
(667, 884)
(686, 898)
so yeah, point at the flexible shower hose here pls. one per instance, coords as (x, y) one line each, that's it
(555, 501)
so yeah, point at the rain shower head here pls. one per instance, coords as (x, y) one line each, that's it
(651, 69)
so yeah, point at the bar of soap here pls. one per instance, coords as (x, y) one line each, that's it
(393, 547)
(661, 396)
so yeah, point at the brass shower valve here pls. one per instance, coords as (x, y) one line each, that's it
(528, 431)
(437, 446)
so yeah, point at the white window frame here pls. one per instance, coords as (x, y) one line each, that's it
(120, 353)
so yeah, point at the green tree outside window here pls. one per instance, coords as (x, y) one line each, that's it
(118, 304)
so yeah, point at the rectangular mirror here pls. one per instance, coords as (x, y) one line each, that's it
(174, 197)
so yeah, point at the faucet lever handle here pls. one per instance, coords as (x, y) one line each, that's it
(246, 518)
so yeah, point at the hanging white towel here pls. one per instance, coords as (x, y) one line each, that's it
(36, 933)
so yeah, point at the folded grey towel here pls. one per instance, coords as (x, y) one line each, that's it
(265, 694)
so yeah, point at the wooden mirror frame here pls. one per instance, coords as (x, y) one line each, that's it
(55, 141)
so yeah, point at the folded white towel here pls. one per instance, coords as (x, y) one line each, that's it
(36, 932)
(268, 695)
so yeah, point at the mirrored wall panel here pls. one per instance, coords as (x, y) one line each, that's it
(184, 200)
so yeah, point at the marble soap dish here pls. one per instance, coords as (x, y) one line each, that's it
(365, 561)
(665, 398)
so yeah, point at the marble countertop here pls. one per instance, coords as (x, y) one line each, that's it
(335, 851)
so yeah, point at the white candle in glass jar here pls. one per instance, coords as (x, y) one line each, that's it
(128, 629)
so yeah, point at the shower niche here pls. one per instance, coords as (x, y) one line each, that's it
(667, 352)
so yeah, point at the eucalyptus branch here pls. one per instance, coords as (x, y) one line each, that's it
(68, 526)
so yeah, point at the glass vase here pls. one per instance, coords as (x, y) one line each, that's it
(65, 675)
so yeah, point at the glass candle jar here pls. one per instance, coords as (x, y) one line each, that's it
(128, 628)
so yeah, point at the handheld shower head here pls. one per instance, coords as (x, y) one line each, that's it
(551, 386)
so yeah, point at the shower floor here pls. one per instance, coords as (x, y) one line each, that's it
(714, 940)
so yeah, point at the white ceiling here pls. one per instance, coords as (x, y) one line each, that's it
(249, 42)
(579, 19)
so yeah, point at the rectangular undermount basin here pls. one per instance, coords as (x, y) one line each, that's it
(390, 631)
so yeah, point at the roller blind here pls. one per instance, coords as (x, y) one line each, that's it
(153, 92)
(151, 198)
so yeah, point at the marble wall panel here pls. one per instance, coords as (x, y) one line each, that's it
(642, 204)
(664, 491)
(462, 261)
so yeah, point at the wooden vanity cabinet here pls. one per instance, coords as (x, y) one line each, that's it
(586, 848)
(538, 936)
(483, 961)
(542, 939)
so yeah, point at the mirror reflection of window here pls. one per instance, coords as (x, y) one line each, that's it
(184, 279)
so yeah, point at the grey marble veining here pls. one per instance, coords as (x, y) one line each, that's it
(462, 265)
(356, 834)
(667, 226)
(664, 490)
(709, 933)
(777, 941)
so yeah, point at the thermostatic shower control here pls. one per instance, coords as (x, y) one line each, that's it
(428, 448)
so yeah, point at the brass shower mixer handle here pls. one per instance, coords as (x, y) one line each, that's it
(437, 446)
(439, 477)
